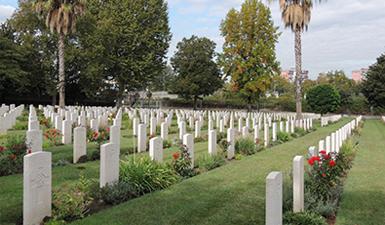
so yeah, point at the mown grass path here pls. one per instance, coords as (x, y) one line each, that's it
(232, 194)
(363, 199)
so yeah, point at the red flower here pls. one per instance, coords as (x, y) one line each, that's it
(332, 163)
(175, 155)
(12, 156)
(2, 148)
(323, 175)
(108, 130)
(95, 135)
(323, 152)
(29, 151)
(311, 161)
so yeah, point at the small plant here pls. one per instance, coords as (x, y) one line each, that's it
(45, 122)
(224, 144)
(283, 137)
(100, 137)
(182, 163)
(245, 146)
(167, 144)
(70, 203)
(300, 131)
(146, 175)
(208, 162)
(303, 218)
(53, 136)
(117, 193)
(11, 155)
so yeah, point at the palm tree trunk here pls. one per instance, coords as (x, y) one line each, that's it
(61, 85)
(298, 73)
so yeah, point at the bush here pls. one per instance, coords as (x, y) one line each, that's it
(20, 125)
(53, 136)
(300, 131)
(117, 193)
(145, 175)
(100, 137)
(11, 155)
(70, 203)
(283, 137)
(208, 162)
(167, 144)
(245, 146)
(303, 218)
(323, 98)
(182, 163)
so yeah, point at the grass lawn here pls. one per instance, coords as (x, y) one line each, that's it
(232, 194)
(363, 199)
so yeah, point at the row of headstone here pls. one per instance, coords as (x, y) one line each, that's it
(333, 142)
(274, 192)
(325, 120)
(8, 116)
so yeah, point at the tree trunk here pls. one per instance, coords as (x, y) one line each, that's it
(298, 73)
(61, 85)
(195, 102)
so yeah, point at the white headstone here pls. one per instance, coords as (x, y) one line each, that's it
(142, 137)
(298, 184)
(109, 164)
(37, 189)
(80, 143)
(156, 149)
(188, 141)
(274, 198)
(212, 142)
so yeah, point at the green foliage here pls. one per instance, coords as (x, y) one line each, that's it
(11, 155)
(374, 85)
(73, 202)
(245, 146)
(120, 46)
(303, 218)
(145, 175)
(249, 49)
(197, 74)
(323, 99)
(283, 137)
(117, 193)
(208, 162)
(182, 163)
(167, 144)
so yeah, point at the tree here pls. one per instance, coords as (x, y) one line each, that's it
(61, 17)
(296, 15)
(323, 99)
(163, 81)
(197, 72)
(373, 86)
(125, 43)
(249, 50)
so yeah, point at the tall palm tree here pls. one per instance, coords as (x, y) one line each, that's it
(61, 17)
(296, 15)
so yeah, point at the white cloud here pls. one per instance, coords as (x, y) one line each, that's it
(5, 12)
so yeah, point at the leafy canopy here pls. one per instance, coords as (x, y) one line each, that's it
(249, 49)
(197, 72)
(374, 85)
(323, 99)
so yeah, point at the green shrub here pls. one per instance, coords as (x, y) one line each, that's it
(208, 162)
(117, 193)
(300, 131)
(182, 163)
(11, 155)
(245, 146)
(223, 144)
(20, 125)
(303, 218)
(283, 137)
(70, 203)
(221, 136)
(145, 175)
(167, 144)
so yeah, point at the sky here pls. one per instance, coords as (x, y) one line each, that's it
(343, 34)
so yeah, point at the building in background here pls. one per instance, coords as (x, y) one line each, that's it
(358, 75)
(289, 74)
